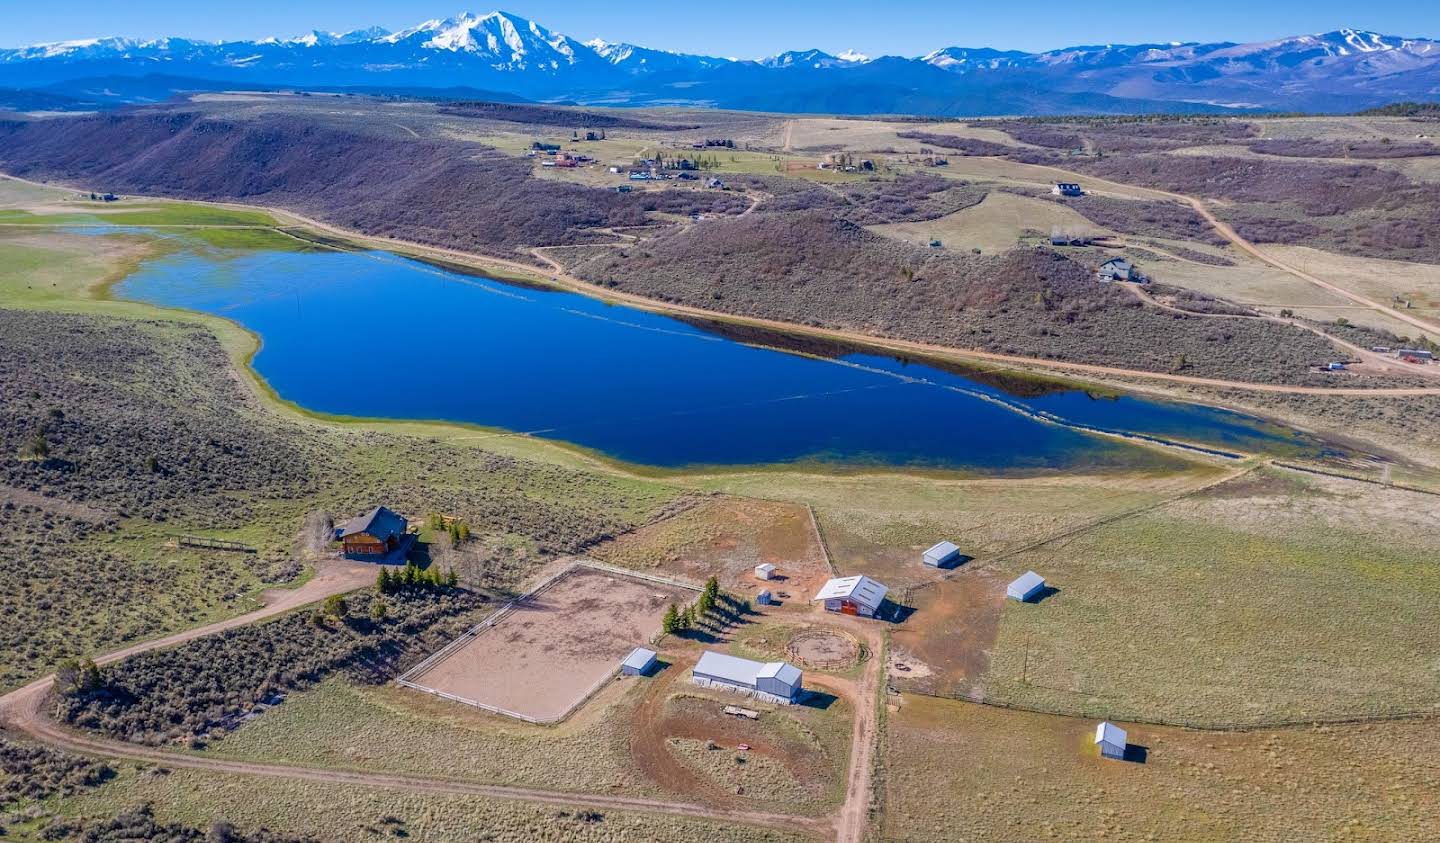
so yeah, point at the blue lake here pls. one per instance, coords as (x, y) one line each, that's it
(374, 334)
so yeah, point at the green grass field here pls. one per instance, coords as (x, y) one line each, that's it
(1280, 597)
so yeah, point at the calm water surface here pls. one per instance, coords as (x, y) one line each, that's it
(374, 334)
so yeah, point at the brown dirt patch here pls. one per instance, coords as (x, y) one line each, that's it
(541, 659)
(826, 649)
(727, 537)
(946, 642)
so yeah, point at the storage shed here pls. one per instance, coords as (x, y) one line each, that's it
(639, 663)
(764, 598)
(941, 555)
(765, 571)
(1025, 587)
(777, 682)
(1111, 739)
(857, 595)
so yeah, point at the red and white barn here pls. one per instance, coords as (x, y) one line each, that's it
(858, 595)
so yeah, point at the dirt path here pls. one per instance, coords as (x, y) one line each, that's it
(854, 814)
(24, 710)
(786, 137)
(1225, 230)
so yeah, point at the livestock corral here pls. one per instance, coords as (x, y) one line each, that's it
(543, 654)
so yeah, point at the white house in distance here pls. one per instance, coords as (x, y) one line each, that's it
(1025, 587)
(777, 682)
(640, 662)
(941, 554)
(1066, 188)
(857, 595)
(765, 571)
(1111, 739)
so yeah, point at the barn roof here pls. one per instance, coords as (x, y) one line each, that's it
(1108, 732)
(859, 588)
(639, 658)
(942, 550)
(744, 671)
(1026, 582)
(378, 522)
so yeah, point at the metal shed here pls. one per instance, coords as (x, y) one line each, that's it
(1025, 587)
(941, 554)
(764, 598)
(778, 682)
(639, 663)
(1111, 739)
(764, 571)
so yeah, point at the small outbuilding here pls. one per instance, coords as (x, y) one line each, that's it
(858, 595)
(1066, 188)
(1111, 739)
(764, 598)
(1025, 587)
(942, 554)
(639, 663)
(777, 682)
(765, 571)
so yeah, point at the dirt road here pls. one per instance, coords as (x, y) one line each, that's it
(1225, 230)
(854, 814)
(24, 710)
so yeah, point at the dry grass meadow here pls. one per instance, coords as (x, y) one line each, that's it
(959, 772)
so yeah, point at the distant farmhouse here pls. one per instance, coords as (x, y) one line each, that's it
(777, 682)
(1120, 269)
(375, 533)
(858, 595)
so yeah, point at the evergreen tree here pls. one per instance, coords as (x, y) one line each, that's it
(377, 610)
(382, 581)
(452, 579)
(670, 624)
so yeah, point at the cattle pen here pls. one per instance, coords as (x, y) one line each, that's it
(544, 653)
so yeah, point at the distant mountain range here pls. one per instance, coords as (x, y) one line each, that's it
(505, 56)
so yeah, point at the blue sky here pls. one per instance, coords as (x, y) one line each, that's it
(749, 28)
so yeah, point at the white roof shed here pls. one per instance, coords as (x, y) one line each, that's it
(764, 571)
(778, 679)
(1111, 739)
(639, 662)
(1025, 586)
(941, 554)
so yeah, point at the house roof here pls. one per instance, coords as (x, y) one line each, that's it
(745, 671)
(860, 589)
(1108, 732)
(378, 522)
(639, 658)
(942, 550)
(1026, 582)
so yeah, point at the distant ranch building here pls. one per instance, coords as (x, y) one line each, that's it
(1119, 269)
(375, 533)
(857, 595)
(1112, 740)
(1066, 188)
(1025, 587)
(639, 663)
(941, 555)
(777, 682)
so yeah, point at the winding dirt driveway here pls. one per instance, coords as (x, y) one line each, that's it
(24, 710)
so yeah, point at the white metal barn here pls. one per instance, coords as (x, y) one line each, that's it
(777, 682)
(1111, 739)
(640, 662)
(1025, 587)
(941, 554)
(765, 571)
(857, 595)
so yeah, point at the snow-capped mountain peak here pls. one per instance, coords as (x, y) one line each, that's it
(853, 56)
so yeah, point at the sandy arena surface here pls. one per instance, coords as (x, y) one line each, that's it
(541, 659)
